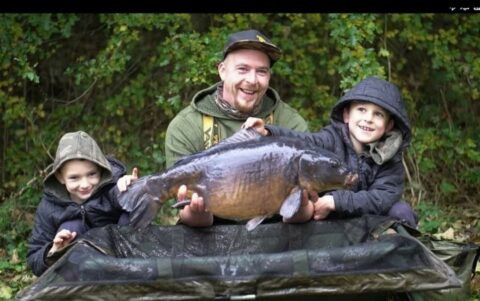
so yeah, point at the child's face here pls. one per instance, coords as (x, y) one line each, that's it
(80, 178)
(367, 122)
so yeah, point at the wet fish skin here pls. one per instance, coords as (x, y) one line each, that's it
(244, 177)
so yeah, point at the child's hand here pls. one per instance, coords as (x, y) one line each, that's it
(61, 240)
(257, 124)
(126, 180)
(194, 215)
(323, 206)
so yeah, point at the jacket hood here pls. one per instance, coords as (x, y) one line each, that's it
(381, 93)
(76, 145)
(204, 102)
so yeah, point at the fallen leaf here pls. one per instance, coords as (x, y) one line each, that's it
(5, 292)
(15, 259)
(448, 235)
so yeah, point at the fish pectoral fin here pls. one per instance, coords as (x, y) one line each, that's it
(254, 222)
(292, 203)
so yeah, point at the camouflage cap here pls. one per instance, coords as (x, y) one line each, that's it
(252, 39)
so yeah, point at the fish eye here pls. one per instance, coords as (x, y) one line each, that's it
(334, 163)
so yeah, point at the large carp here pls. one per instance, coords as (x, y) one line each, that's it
(245, 177)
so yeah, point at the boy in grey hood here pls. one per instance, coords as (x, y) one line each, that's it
(369, 130)
(80, 193)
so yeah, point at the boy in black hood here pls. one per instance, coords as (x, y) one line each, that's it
(369, 130)
(79, 194)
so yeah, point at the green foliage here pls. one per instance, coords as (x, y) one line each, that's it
(448, 163)
(354, 37)
(122, 77)
(14, 273)
(433, 218)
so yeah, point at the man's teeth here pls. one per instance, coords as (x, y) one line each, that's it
(248, 91)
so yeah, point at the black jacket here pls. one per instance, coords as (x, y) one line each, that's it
(379, 186)
(99, 210)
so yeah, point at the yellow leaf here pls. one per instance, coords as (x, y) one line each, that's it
(14, 259)
(448, 235)
(5, 292)
(384, 52)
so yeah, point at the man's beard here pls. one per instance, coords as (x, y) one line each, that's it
(231, 111)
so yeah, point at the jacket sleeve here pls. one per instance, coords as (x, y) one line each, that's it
(323, 138)
(385, 190)
(41, 240)
(287, 117)
(183, 137)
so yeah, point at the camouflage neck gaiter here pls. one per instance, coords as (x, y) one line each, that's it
(230, 111)
(384, 149)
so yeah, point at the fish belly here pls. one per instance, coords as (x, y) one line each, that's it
(248, 194)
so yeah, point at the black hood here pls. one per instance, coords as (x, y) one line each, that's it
(381, 93)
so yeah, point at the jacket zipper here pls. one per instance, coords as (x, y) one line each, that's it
(82, 211)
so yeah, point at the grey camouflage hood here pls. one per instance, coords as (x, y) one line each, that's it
(76, 145)
(383, 94)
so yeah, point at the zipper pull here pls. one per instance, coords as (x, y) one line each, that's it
(82, 211)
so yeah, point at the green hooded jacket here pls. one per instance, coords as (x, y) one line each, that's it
(186, 132)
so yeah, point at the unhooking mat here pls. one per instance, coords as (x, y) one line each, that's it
(274, 261)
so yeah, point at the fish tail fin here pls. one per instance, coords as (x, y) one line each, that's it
(129, 199)
(140, 203)
(145, 211)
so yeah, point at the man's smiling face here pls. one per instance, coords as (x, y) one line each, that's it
(246, 76)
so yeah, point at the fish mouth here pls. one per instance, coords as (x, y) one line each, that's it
(351, 179)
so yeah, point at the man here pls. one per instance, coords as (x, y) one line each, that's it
(219, 111)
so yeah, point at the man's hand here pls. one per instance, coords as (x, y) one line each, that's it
(126, 180)
(257, 124)
(62, 239)
(323, 206)
(194, 215)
